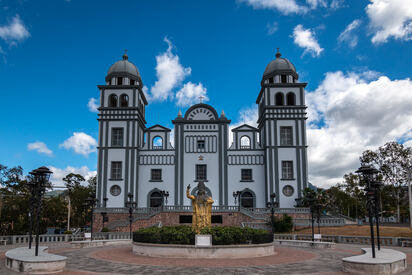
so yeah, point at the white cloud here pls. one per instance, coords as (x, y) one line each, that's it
(283, 6)
(272, 27)
(317, 3)
(336, 4)
(390, 18)
(349, 113)
(347, 36)
(14, 32)
(305, 38)
(190, 93)
(58, 174)
(93, 105)
(81, 143)
(170, 73)
(40, 147)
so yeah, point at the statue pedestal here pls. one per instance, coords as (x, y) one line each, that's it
(203, 241)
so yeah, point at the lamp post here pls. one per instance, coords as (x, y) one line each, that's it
(367, 175)
(131, 205)
(272, 204)
(410, 195)
(91, 202)
(40, 177)
(236, 196)
(31, 211)
(165, 195)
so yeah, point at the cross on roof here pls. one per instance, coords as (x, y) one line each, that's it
(201, 98)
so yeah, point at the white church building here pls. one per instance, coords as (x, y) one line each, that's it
(137, 159)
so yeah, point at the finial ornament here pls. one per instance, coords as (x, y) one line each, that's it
(222, 114)
(201, 98)
(179, 114)
(278, 54)
(125, 55)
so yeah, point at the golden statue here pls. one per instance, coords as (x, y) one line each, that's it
(202, 207)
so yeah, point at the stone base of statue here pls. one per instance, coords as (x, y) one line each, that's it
(203, 241)
(387, 261)
(22, 260)
(239, 251)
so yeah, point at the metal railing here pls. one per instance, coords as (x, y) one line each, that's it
(388, 241)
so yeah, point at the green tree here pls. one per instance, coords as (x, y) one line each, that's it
(393, 161)
(78, 193)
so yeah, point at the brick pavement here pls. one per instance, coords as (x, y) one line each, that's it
(118, 260)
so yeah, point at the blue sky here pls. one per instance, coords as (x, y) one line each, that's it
(355, 56)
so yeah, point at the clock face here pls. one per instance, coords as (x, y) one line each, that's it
(201, 114)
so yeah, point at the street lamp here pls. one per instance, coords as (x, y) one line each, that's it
(165, 195)
(272, 204)
(131, 205)
(40, 177)
(367, 175)
(236, 196)
(91, 202)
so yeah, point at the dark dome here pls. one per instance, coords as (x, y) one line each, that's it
(123, 68)
(280, 66)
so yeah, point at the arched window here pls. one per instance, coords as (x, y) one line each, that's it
(245, 142)
(113, 100)
(246, 199)
(291, 99)
(156, 199)
(157, 143)
(279, 99)
(124, 100)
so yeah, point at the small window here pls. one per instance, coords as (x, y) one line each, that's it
(279, 99)
(271, 80)
(245, 142)
(287, 170)
(283, 78)
(200, 144)
(117, 137)
(120, 81)
(246, 174)
(156, 174)
(286, 138)
(290, 99)
(115, 190)
(201, 172)
(132, 82)
(116, 171)
(157, 143)
(124, 100)
(113, 100)
(288, 190)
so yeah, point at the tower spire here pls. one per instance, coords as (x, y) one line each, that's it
(278, 54)
(125, 57)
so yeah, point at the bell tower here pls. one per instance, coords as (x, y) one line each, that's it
(121, 133)
(282, 128)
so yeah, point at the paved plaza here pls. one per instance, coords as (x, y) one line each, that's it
(120, 260)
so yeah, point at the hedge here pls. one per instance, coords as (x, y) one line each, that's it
(221, 235)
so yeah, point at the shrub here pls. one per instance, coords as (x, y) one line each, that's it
(224, 235)
(284, 224)
(166, 234)
(105, 229)
(68, 232)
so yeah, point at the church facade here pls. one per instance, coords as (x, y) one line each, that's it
(258, 162)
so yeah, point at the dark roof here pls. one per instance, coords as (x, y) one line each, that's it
(280, 65)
